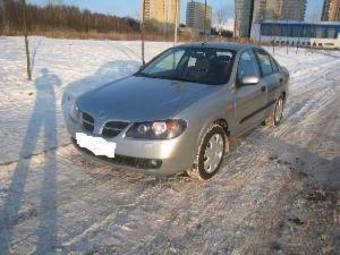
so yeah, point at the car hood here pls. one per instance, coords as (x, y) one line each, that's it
(141, 99)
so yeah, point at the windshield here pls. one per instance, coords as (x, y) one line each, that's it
(200, 65)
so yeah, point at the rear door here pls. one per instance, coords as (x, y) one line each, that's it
(250, 99)
(274, 92)
(270, 74)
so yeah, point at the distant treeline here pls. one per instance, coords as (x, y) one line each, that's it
(54, 16)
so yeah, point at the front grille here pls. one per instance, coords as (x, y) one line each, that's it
(88, 122)
(113, 128)
(120, 160)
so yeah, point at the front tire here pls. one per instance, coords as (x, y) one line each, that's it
(276, 116)
(210, 153)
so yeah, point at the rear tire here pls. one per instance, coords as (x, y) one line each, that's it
(210, 153)
(276, 116)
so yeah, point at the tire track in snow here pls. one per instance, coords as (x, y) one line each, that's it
(136, 55)
(124, 50)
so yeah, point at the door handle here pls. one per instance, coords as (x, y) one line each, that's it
(281, 80)
(263, 88)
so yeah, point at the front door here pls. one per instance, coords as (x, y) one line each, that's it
(250, 99)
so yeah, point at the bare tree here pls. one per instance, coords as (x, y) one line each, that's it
(142, 31)
(4, 22)
(177, 21)
(205, 17)
(236, 22)
(220, 18)
(315, 19)
(29, 73)
(62, 18)
(2, 17)
(136, 15)
(274, 31)
(287, 40)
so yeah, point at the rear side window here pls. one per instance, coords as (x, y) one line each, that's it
(265, 62)
(274, 65)
(247, 65)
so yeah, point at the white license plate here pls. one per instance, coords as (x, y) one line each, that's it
(98, 145)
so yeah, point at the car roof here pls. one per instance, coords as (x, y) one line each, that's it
(218, 45)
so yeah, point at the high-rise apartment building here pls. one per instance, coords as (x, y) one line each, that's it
(279, 10)
(259, 10)
(292, 10)
(331, 10)
(249, 12)
(199, 16)
(162, 14)
(243, 17)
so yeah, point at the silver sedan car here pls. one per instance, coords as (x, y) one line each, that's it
(179, 111)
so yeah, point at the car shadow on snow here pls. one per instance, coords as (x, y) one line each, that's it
(43, 120)
(308, 163)
(304, 161)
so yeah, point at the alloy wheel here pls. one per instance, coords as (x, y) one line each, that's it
(213, 153)
(279, 111)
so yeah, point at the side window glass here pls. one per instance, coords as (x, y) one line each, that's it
(264, 62)
(274, 65)
(247, 65)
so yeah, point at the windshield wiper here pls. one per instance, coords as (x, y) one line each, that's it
(143, 75)
(173, 78)
(182, 79)
(153, 76)
(166, 77)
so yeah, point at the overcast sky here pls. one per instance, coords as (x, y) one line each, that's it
(131, 7)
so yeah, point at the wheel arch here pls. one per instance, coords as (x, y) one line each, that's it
(214, 121)
(224, 124)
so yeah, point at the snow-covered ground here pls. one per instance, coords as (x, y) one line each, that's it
(58, 66)
(278, 190)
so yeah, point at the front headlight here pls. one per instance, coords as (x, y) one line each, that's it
(167, 129)
(75, 113)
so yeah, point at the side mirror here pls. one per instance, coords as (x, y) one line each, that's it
(141, 67)
(250, 80)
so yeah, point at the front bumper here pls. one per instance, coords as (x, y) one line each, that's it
(172, 156)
